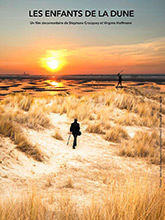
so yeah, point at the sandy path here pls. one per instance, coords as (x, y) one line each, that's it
(88, 169)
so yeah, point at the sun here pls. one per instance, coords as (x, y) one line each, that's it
(53, 60)
(53, 64)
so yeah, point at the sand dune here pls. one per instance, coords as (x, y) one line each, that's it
(87, 166)
(95, 168)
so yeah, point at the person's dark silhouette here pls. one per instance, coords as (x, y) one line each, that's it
(75, 129)
(119, 80)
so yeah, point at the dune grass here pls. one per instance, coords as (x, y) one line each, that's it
(131, 119)
(34, 118)
(127, 119)
(124, 99)
(101, 105)
(96, 128)
(126, 200)
(58, 136)
(26, 110)
(143, 144)
(14, 132)
(97, 106)
(116, 134)
(69, 183)
(136, 200)
(21, 100)
(103, 112)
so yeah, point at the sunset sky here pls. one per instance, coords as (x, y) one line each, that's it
(82, 49)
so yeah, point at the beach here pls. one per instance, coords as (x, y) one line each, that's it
(38, 85)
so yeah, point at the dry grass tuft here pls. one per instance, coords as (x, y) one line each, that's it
(133, 103)
(34, 119)
(130, 119)
(121, 100)
(69, 184)
(136, 200)
(37, 118)
(143, 144)
(149, 121)
(101, 105)
(11, 130)
(126, 119)
(95, 128)
(58, 136)
(74, 107)
(27, 110)
(2, 109)
(48, 181)
(116, 134)
(21, 100)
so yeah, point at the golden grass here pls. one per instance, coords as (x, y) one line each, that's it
(143, 144)
(98, 106)
(129, 200)
(26, 110)
(127, 119)
(96, 128)
(101, 105)
(34, 119)
(132, 201)
(73, 106)
(121, 100)
(2, 109)
(58, 136)
(21, 100)
(69, 184)
(131, 119)
(126, 107)
(116, 134)
(11, 130)
(149, 121)
(135, 103)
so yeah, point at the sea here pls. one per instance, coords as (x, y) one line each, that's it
(39, 85)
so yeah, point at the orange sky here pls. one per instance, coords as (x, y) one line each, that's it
(148, 57)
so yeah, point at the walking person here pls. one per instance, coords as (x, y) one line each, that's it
(119, 80)
(75, 130)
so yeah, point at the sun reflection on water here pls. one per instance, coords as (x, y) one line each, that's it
(54, 83)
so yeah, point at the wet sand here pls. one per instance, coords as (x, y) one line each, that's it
(77, 84)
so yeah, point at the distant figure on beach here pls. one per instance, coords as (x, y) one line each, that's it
(119, 80)
(75, 130)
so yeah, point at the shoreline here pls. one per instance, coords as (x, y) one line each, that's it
(96, 77)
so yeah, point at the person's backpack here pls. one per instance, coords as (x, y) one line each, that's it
(79, 133)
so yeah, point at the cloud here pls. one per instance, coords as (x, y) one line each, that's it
(149, 52)
(103, 59)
